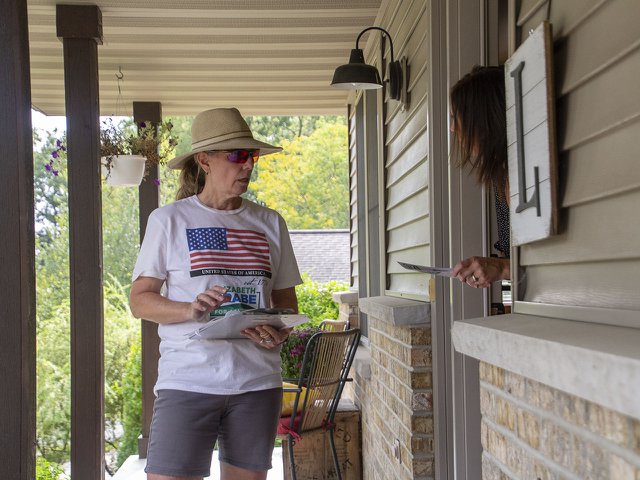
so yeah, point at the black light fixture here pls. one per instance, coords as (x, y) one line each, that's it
(357, 75)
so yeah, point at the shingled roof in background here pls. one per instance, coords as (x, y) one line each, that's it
(323, 254)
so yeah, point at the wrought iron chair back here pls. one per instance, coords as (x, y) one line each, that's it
(325, 369)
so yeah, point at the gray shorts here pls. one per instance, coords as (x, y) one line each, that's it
(186, 425)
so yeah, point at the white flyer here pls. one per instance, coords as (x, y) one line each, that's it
(442, 271)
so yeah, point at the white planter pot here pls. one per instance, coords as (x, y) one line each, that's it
(126, 170)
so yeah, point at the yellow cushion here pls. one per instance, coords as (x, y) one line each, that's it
(288, 399)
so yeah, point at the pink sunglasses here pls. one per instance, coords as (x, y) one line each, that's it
(241, 155)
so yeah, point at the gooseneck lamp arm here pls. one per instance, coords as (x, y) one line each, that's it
(383, 31)
(358, 75)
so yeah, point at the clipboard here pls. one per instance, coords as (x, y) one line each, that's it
(230, 326)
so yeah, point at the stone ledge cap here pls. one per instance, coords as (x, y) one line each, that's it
(349, 297)
(599, 363)
(400, 312)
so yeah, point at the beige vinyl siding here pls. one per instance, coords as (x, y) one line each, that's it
(353, 199)
(406, 155)
(595, 259)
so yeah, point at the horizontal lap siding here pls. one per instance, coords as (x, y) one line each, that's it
(406, 155)
(595, 259)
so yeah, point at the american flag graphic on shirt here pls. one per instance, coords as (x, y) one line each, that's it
(228, 251)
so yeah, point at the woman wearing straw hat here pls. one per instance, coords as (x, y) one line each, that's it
(215, 251)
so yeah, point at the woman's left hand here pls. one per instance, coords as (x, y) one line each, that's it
(266, 336)
(481, 272)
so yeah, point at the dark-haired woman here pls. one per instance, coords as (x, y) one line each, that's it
(480, 139)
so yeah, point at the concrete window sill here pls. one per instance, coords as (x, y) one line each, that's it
(600, 363)
(400, 312)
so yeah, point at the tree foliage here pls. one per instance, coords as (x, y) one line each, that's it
(131, 403)
(277, 130)
(120, 246)
(308, 182)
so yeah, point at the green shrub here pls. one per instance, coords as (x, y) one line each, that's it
(315, 300)
(46, 470)
(132, 403)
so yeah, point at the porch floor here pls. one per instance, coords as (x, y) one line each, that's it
(133, 468)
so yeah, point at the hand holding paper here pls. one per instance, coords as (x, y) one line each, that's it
(441, 271)
(230, 326)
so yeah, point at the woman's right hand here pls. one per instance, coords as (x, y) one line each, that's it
(207, 301)
(481, 272)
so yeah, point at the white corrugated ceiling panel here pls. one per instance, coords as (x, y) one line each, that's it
(265, 57)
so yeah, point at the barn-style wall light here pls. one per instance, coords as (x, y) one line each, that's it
(357, 75)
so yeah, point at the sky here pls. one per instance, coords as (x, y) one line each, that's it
(43, 122)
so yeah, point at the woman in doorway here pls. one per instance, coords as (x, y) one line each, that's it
(480, 139)
(214, 251)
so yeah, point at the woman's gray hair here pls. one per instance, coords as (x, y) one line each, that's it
(192, 179)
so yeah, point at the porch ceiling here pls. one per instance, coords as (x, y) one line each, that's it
(267, 57)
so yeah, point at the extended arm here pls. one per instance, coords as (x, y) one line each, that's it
(146, 302)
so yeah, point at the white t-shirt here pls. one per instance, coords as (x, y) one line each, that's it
(193, 247)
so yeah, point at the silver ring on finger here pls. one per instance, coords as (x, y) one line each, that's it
(261, 341)
(474, 278)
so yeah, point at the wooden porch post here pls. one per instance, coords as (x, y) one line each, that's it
(17, 255)
(149, 195)
(80, 28)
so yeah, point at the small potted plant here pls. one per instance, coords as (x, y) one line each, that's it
(292, 352)
(127, 151)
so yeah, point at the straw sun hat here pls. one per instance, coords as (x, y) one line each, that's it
(221, 129)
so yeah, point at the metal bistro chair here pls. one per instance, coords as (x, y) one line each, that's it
(325, 369)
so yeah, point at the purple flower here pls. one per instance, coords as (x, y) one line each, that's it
(47, 167)
(156, 181)
(143, 125)
(297, 350)
(58, 143)
(55, 154)
(55, 173)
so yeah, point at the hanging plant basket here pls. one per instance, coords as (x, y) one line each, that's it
(125, 151)
(124, 170)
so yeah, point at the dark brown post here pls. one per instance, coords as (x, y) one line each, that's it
(80, 28)
(149, 195)
(17, 255)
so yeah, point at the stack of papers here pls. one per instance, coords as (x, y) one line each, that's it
(235, 321)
